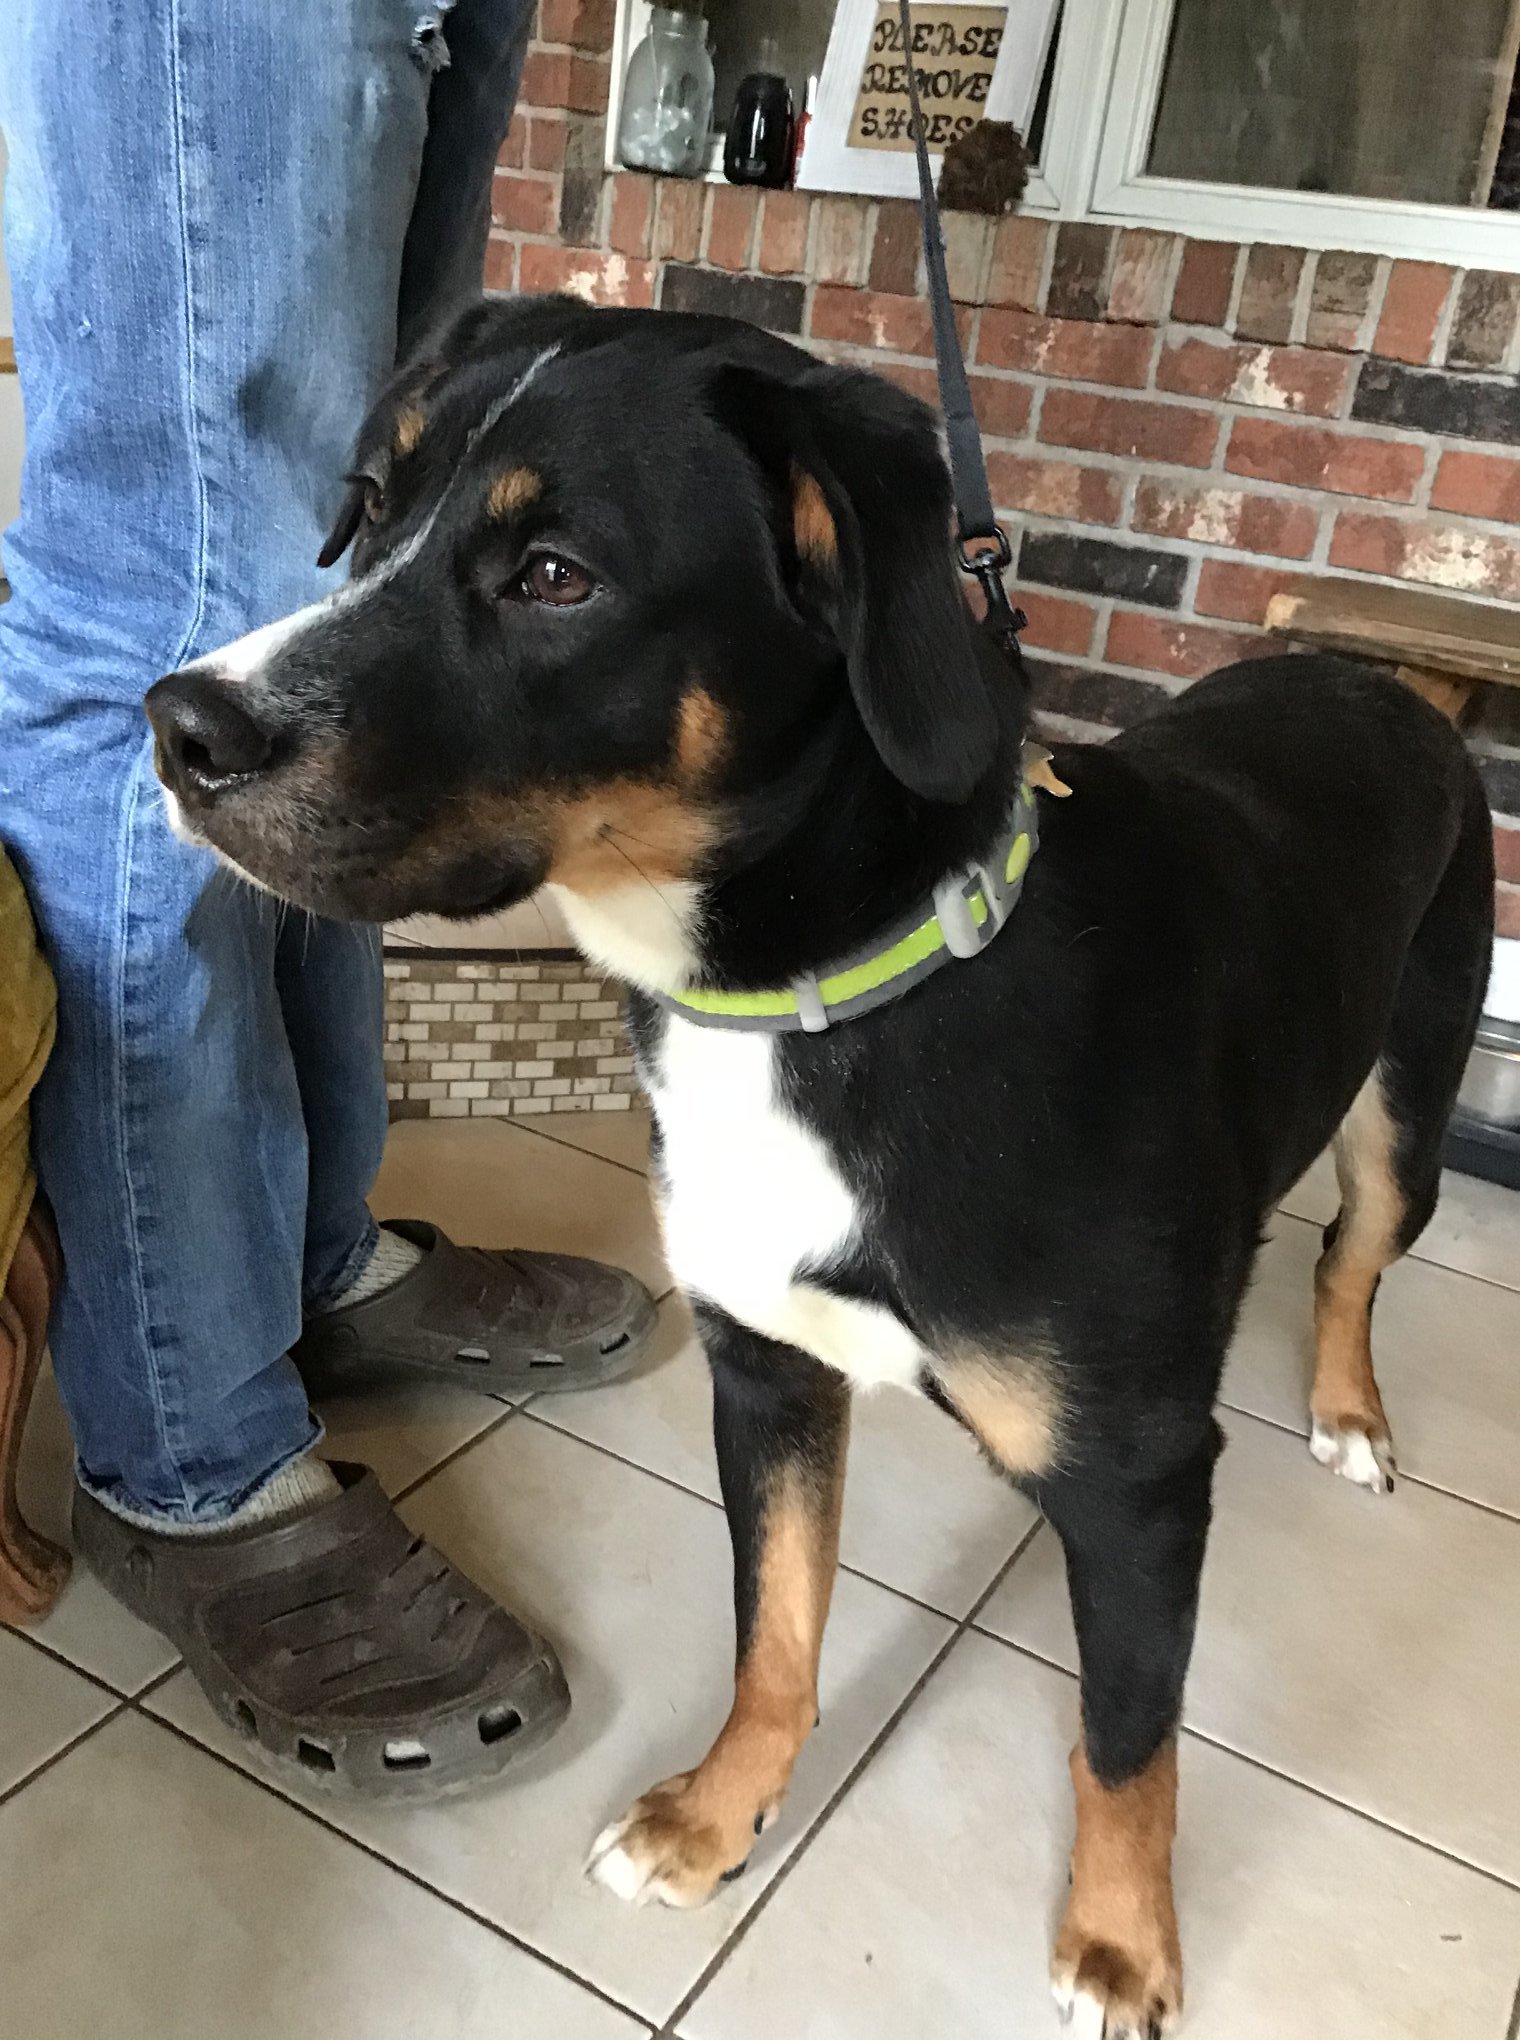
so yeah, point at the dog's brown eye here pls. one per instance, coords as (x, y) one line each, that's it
(549, 577)
(374, 500)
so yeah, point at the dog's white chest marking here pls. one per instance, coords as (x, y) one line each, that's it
(752, 1198)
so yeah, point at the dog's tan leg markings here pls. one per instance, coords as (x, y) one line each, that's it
(682, 1840)
(1117, 1965)
(1009, 1404)
(1350, 1432)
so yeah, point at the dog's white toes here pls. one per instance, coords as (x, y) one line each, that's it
(610, 1864)
(1354, 1456)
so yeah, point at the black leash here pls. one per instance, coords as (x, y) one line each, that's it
(982, 546)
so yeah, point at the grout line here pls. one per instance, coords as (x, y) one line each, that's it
(1432, 1487)
(51, 1651)
(1290, 1778)
(413, 1877)
(38, 1770)
(530, 1125)
(476, 1438)
(846, 1785)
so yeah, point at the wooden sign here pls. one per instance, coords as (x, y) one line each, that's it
(955, 52)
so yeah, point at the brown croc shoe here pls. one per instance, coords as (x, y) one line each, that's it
(507, 1323)
(347, 1653)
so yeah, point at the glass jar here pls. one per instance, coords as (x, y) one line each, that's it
(668, 97)
(758, 146)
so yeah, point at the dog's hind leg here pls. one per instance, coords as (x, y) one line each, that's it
(1388, 1153)
(781, 1424)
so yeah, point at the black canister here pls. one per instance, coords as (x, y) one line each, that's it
(758, 146)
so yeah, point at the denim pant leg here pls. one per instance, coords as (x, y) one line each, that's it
(329, 976)
(206, 210)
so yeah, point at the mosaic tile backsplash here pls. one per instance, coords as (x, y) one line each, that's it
(502, 1038)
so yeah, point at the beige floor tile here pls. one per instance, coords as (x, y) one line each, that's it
(87, 1627)
(922, 1511)
(1365, 1644)
(43, 1706)
(615, 1136)
(631, 1577)
(1447, 1352)
(925, 1906)
(1476, 1227)
(152, 1894)
(403, 1432)
(492, 1185)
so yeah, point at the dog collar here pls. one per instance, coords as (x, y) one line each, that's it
(960, 918)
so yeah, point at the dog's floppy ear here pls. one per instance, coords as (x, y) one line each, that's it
(869, 508)
(393, 428)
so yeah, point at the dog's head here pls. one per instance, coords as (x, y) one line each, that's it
(613, 574)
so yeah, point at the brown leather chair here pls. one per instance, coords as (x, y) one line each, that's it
(33, 1570)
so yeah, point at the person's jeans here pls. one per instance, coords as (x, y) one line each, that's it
(218, 217)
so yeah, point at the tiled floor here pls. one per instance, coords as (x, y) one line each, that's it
(1349, 1862)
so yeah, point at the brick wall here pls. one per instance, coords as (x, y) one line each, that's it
(1174, 428)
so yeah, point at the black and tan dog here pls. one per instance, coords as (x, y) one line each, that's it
(661, 612)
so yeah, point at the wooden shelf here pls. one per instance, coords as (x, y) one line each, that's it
(1410, 627)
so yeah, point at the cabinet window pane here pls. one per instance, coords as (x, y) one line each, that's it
(1386, 99)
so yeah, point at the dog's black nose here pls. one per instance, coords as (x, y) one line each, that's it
(206, 737)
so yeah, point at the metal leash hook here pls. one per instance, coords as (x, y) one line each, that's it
(982, 549)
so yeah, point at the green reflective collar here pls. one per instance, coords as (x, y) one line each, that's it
(959, 919)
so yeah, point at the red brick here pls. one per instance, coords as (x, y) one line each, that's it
(1417, 549)
(1271, 378)
(1412, 307)
(1233, 517)
(1478, 485)
(967, 240)
(585, 24)
(1002, 406)
(1507, 911)
(895, 247)
(1308, 457)
(784, 232)
(524, 205)
(1081, 349)
(1129, 426)
(1269, 293)
(586, 273)
(1055, 488)
(1507, 855)
(545, 79)
(500, 271)
(839, 240)
(870, 318)
(1142, 268)
(513, 153)
(632, 224)
(590, 85)
(547, 137)
(678, 219)
(1240, 593)
(731, 226)
(1058, 623)
(1205, 282)
(1018, 262)
(1187, 649)
(1339, 301)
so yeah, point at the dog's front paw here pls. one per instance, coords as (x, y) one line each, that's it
(1109, 1992)
(675, 1845)
(1356, 1453)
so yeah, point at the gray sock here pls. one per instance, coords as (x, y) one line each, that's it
(393, 1257)
(300, 1486)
